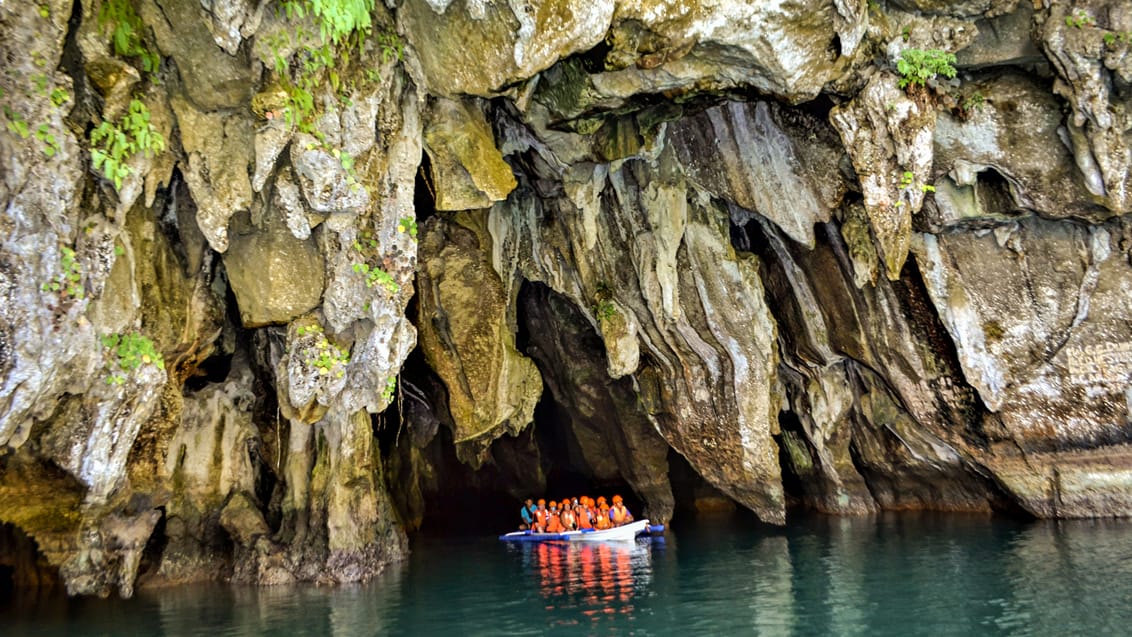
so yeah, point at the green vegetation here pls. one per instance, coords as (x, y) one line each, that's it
(111, 146)
(1111, 38)
(31, 86)
(908, 179)
(347, 163)
(1079, 19)
(59, 97)
(50, 145)
(16, 122)
(338, 19)
(605, 310)
(917, 67)
(366, 242)
(69, 283)
(344, 26)
(376, 276)
(325, 356)
(974, 102)
(129, 352)
(390, 387)
(366, 247)
(408, 224)
(391, 47)
(126, 35)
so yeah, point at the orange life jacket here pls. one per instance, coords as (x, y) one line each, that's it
(619, 515)
(540, 520)
(554, 525)
(568, 520)
(583, 516)
(602, 521)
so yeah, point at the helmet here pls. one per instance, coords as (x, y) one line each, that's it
(541, 502)
(601, 499)
(553, 504)
(616, 499)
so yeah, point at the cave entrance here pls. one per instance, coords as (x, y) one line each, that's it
(24, 571)
(568, 473)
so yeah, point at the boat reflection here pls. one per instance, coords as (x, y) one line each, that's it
(589, 580)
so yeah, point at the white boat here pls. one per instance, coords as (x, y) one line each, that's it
(625, 533)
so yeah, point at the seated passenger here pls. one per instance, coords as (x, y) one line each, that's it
(553, 522)
(583, 515)
(541, 517)
(566, 516)
(527, 514)
(618, 514)
(602, 521)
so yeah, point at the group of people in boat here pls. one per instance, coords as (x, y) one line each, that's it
(574, 514)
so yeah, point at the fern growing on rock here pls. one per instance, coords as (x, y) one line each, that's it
(917, 67)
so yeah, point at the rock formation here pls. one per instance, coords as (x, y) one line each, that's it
(617, 234)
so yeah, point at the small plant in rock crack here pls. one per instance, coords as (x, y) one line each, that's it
(323, 355)
(128, 353)
(1079, 19)
(390, 387)
(127, 32)
(1124, 37)
(409, 225)
(908, 179)
(376, 276)
(59, 96)
(16, 122)
(604, 309)
(347, 162)
(391, 46)
(112, 145)
(917, 67)
(50, 145)
(69, 283)
(974, 102)
(366, 246)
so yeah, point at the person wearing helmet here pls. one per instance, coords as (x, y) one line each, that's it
(618, 514)
(582, 514)
(541, 515)
(566, 515)
(602, 521)
(554, 522)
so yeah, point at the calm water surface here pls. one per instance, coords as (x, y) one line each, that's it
(894, 575)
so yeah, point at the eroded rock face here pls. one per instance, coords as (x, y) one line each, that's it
(615, 435)
(640, 248)
(466, 320)
(89, 265)
(1041, 330)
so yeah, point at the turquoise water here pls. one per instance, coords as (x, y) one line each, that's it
(897, 575)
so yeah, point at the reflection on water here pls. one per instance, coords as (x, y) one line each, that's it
(899, 575)
(588, 581)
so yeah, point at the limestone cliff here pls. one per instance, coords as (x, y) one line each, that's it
(724, 235)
